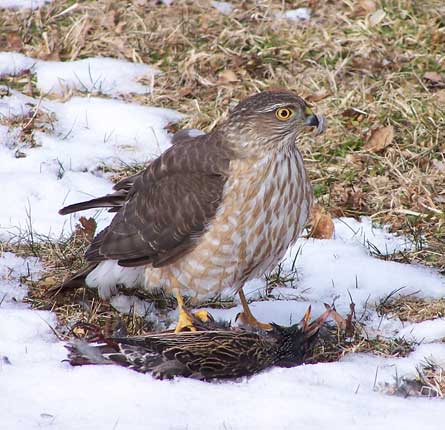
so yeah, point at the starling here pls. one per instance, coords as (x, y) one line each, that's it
(225, 353)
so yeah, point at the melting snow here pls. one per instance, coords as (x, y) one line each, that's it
(22, 4)
(65, 163)
(223, 7)
(300, 14)
(94, 75)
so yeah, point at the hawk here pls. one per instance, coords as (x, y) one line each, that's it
(213, 211)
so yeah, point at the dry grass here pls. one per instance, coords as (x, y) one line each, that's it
(412, 309)
(429, 382)
(361, 75)
(334, 344)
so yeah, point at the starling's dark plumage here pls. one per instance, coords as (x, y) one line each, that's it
(220, 354)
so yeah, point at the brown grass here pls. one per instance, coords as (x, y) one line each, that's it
(429, 382)
(412, 309)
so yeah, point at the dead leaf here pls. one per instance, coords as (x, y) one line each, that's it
(434, 79)
(85, 229)
(52, 56)
(13, 41)
(227, 77)
(376, 17)
(379, 139)
(322, 224)
(185, 91)
(319, 95)
(364, 7)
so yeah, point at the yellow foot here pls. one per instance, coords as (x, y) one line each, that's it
(250, 320)
(187, 320)
(203, 316)
(246, 316)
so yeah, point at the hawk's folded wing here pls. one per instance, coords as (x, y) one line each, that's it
(162, 211)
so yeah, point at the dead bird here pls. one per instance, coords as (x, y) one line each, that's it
(205, 355)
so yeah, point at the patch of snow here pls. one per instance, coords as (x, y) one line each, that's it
(222, 7)
(102, 75)
(377, 239)
(15, 105)
(425, 331)
(12, 269)
(300, 14)
(132, 304)
(9, 137)
(335, 270)
(13, 63)
(22, 4)
(93, 75)
(65, 165)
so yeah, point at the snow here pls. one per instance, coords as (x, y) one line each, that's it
(13, 63)
(39, 389)
(94, 75)
(425, 331)
(222, 7)
(22, 4)
(300, 14)
(65, 165)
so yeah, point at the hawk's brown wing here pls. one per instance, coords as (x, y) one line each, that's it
(163, 211)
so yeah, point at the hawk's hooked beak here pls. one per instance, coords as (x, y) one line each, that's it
(313, 120)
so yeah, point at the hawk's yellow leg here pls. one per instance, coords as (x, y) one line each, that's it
(246, 315)
(186, 318)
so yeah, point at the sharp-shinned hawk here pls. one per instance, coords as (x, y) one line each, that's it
(213, 211)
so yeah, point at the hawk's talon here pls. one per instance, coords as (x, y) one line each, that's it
(186, 319)
(246, 316)
(203, 315)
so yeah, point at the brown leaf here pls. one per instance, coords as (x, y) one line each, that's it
(52, 56)
(85, 229)
(227, 77)
(364, 7)
(322, 224)
(319, 95)
(185, 91)
(434, 79)
(379, 139)
(13, 41)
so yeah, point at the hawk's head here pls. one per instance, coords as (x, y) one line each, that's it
(271, 119)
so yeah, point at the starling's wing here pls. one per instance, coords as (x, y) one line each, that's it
(162, 211)
(225, 355)
(210, 354)
(109, 352)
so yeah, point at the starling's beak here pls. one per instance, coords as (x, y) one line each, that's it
(306, 318)
(312, 328)
(313, 120)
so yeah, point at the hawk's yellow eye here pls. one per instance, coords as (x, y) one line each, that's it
(283, 114)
